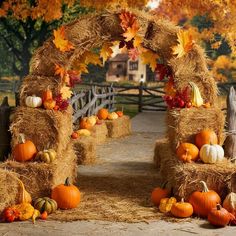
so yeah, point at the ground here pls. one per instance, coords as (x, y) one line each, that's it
(130, 156)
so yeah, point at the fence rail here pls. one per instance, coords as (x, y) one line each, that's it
(9, 87)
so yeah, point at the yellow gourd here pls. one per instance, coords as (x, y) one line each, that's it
(83, 132)
(26, 210)
(166, 204)
(35, 215)
(112, 116)
(24, 195)
(47, 156)
(196, 98)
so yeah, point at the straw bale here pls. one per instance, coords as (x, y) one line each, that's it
(119, 127)
(9, 188)
(85, 150)
(39, 178)
(100, 132)
(159, 152)
(184, 178)
(35, 85)
(184, 124)
(45, 128)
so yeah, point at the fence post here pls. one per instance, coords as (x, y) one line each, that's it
(140, 97)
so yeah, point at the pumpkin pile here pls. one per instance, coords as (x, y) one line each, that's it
(205, 204)
(63, 196)
(205, 147)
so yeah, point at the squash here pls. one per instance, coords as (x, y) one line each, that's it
(196, 98)
(230, 203)
(35, 215)
(45, 204)
(26, 210)
(166, 204)
(182, 209)
(84, 124)
(46, 156)
(187, 152)
(219, 216)
(158, 193)
(33, 101)
(204, 201)
(206, 136)
(83, 132)
(102, 114)
(92, 120)
(25, 150)
(211, 153)
(112, 116)
(47, 95)
(24, 197)
(49, 104)
(66, 195)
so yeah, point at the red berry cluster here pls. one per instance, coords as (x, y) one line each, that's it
(61, 103)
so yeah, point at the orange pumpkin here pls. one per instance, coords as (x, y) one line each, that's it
(66, 195)
(120, 113)
(204, 201)
(25, 150)
(187, 152)
(219, 216)
(159, 193)
(102, 114)
(49, 104)
(47, 95)
(84, 124)
(182, 209)
(206, 136)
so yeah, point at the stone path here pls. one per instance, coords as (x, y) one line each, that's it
(127, 156)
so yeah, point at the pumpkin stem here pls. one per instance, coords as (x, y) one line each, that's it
(21, 138)
(218, 207)
(67, 182)
(182, 200)
(164, 184)
(204, 186)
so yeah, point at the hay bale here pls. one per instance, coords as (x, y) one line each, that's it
(184, 178)
(99, 133)
(46, 128)
(85, 150)
(119, 127)
(184, 124)
(9, 188)
(159, 152)
(39, 178)
(35, 85)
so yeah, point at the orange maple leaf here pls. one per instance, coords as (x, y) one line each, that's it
(185, 43)
(149, 58)
(131, 32)
(61, 71)
(106, 51)
(127, 20)
(60, 41)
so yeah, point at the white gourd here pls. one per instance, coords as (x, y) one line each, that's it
(211, 153)
(33, 101)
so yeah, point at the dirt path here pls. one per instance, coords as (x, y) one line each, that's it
(127, 157)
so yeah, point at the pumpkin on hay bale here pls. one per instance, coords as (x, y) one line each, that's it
(184, 178)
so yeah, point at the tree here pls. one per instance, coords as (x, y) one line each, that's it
(26, 24)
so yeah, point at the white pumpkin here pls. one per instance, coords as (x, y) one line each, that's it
(112, 116)
(33, 101)
(92, 120)
(211, 153)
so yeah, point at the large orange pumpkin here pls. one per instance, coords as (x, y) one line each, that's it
(84, 124)
(204, 201)
(159, 193)
(66, 195)
(187, 152)
(206, 136)
(102, 114)
(25, 150)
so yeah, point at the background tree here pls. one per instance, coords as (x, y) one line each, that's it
(25, 25)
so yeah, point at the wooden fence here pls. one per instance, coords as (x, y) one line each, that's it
(9, 87)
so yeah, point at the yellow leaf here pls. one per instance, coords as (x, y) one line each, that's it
(66, 93)
(59, 40)
(80, 67)
(137, 41)
(91, 58)
(149, 58)
(106, 52)
(185, 43)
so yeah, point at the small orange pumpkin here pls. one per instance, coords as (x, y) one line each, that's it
(158, 193)
(102, 114)
(187, 152)
(25, 150)
(66, 195)
(47, 95)
(204, 201)
(49, 104)
(120, 113)
(219, 216)
(206, 136)
(84, 124)
(182, 209)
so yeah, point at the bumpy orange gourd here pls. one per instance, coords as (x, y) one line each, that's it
(206, 136)
(49, 104)
(219, 216)
(204, 201)
(182, 209)
(187, 152)
(159, 193)
(102, 114)
(25, 150)
(66, 195)
(84, 124)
